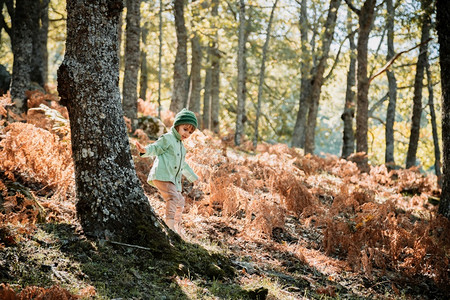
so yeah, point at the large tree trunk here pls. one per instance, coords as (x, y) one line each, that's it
(196, 67)
(39, 58)
(22, 46)
(392, 82)
(366, 17)
(262, 73)
(111, 203)
(241, 64)
(318, 76)
(348, 139)
(180, 77)
(215, 71)
(443, 30)
(298, 136)
(418, 86)
(132, 56)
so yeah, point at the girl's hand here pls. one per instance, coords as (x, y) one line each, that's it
(140, 148)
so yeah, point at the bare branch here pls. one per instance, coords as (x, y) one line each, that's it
(352, 7)
(391, 61)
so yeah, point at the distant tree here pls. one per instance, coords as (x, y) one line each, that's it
(22, 46)
(215, 69)
(111, 202)
(366, 16)
(132, 56)
(298, 136)
(241, 84)
(206, 113)
(318, 76)
(418, 83)
(262, 73)
(39, 57)
(392, 82)
(443, 30)
(143, 85)
(433, 121)
(348, 137)
(160, 26)
(195, 78)
(180, 75)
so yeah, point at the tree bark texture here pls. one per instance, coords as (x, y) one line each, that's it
(298, 136)
(215, 71)
(22, 46)
(132, 57)
(318, 76)
(418, 86)
(392, 82)
(241, 84)
(443, 30)
(180, 75)
(366, 18)
(262, 73)
(111, 203)
(348, 139)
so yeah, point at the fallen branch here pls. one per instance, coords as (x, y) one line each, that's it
(129, 245)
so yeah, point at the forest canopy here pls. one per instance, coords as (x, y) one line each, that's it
(287, 54)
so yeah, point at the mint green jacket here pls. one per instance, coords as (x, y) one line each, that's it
(169, 163)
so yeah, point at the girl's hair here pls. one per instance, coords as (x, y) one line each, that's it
(191, 127)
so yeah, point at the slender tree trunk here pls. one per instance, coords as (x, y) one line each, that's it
(143, 85)
(215, 71)
(298, 136)
(437, 151)
(366, 17)
(39, 57)
(196, 67)
(132, 55)
(318, 77)
(392, 82)
(111, 203)
(180, 76)
(241, 64)
(418, 86)
(443, 30)
(206, 118)
(22, 45)
(262, 73)
(348, 143)
(160, 56)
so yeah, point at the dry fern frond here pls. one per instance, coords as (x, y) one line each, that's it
(61, 125)
(38, 156)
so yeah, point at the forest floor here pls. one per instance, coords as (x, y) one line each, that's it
(292, 226)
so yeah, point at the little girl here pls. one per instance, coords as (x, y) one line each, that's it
(169, 164)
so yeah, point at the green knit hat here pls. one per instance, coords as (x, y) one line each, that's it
(185, 117)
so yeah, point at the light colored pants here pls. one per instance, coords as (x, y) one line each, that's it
(174, 203)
